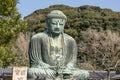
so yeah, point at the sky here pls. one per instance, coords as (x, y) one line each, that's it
(26, 7)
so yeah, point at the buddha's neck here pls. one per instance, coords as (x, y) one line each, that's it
(55, 39)
(55, 35)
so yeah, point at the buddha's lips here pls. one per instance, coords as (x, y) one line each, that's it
(56, 29)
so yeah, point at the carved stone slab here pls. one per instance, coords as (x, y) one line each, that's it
(19, 73)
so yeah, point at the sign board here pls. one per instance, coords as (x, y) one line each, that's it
(19, 73)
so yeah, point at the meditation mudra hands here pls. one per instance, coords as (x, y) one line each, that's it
(45, 70)
(42, 71)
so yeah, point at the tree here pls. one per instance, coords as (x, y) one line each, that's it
(10, 25)
(101, 49)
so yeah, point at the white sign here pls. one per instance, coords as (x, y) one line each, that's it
(19, 73)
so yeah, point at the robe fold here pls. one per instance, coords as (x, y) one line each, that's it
(39, 50)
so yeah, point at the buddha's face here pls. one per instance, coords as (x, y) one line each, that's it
(56, 25)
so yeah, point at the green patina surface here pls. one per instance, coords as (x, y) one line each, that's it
(53, 53)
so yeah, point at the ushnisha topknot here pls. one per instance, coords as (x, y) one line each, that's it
(56, 14)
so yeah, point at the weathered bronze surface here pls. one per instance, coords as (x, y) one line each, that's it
(53, 53)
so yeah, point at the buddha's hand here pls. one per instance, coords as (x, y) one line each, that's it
(50, 73)
(67, 71)
(41, 72)
(70, 66)
(44, 65)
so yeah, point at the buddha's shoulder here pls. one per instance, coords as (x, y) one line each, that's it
(68, 37)
(39, 35)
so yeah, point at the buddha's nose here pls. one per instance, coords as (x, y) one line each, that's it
(58, 25)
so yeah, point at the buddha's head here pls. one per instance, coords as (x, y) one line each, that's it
(56, 20)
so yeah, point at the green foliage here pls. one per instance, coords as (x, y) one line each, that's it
(79, 18)
(10, 26)
(8, 7)
(72, 32)
(10, 23)
(5, 57)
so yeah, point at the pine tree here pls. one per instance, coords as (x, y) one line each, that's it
(10, 25)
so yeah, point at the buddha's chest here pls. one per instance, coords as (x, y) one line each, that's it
(56, 51)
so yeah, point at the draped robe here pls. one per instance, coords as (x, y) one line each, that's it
(39, 56)
(39, 50)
